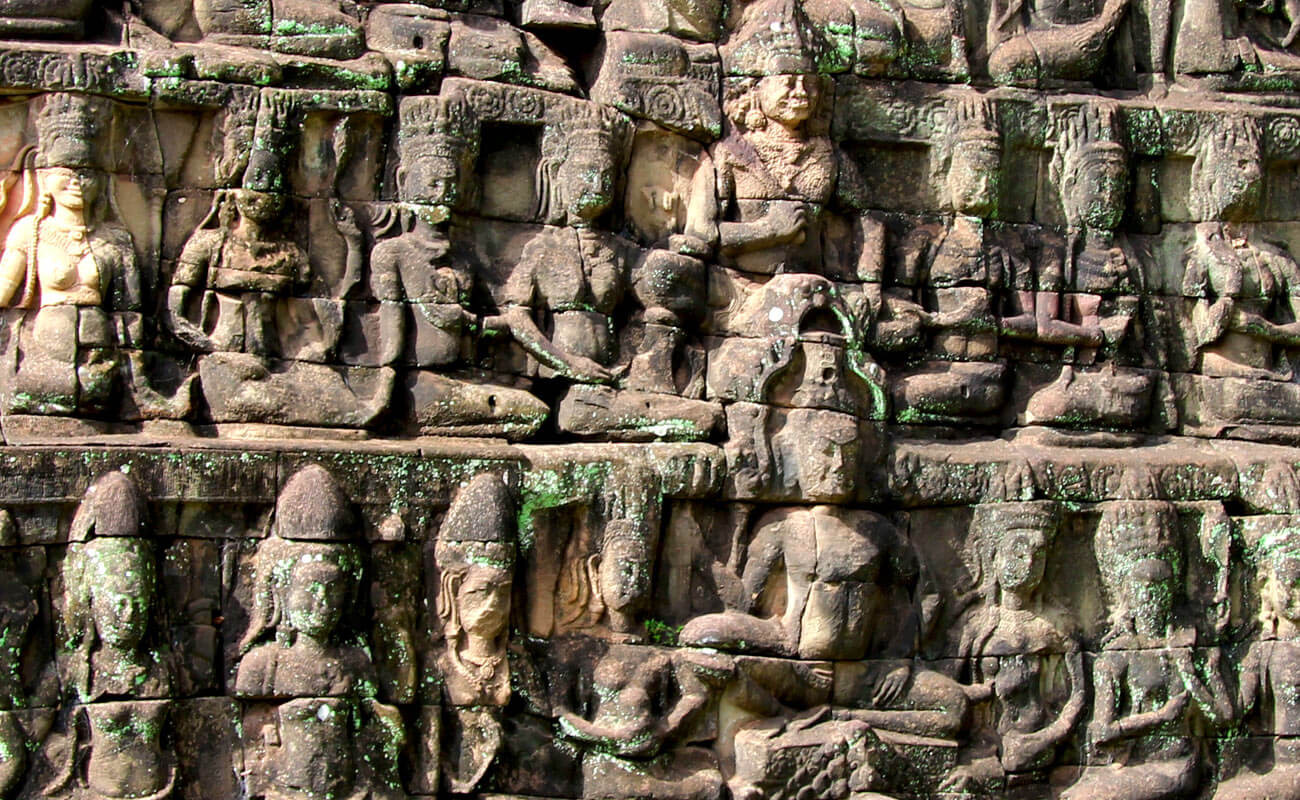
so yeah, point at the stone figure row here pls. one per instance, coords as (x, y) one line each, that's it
(427, 325)
(1030, 44)
(812, 672)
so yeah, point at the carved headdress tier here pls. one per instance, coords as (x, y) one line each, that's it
(1133, 531)
(1090, 134)
(434, 126)
(68, 129)
(974, 123)
(312, 507)
(774, 37)
(272, 143)
(483, 511)
(583, 126)
(1042, 515)
(113, 506)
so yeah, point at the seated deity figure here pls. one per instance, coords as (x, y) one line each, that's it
(958, 272)
(649, 707)
(425, 316)
(1269, 674)
(1245, 318)
(475, 553)
(68, 265)
(423, 294)
(829, 582)
(1031, 42)
(1086, 303)
(118, 667)
(242, 260)
(776, 173)
(1146, 684)
(243, 296)
(327, 732)
(1026, 674)
(573, 276)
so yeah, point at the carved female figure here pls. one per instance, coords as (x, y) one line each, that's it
(476, 559)
(1146, 681)
(776, 172)
(241, 262)
(117, 667)
(610, 589)
(1269, 674)
(1021, 663)
(958, 271)
(68, 261)
(328, 730)
(1245, 290)
(570, 278)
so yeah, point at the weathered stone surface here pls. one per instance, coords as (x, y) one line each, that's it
(649, 399)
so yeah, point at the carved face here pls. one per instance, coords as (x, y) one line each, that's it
(1095, 197)
(973, 178)
(624, 574)
(1149, 595)
(431, 179)
(827, 451)
(73, 189)
(787, 99)
(1235, 180)
(316, 599)
(121, 592)
(585, 181)
(483, 601)
(261, 207)
(1020, 558)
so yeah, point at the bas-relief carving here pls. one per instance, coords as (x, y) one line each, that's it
(417, 220)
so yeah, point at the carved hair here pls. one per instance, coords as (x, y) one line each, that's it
(445, 127)
(1232, 136)
(1091, 133)
(972, 123)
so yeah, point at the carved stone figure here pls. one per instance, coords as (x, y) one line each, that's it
(69, 264)
(328, 732)
(1148, 678)
(649, 704)
(575, 276)
(1268, 671)
(1020, 662)
(1032, 43)
(1088, 302)
(241, 276)
(1243, 287)
(424, 295)
(475, 553)
(118, 665)
(958, 273)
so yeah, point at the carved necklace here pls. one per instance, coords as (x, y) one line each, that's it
(73, 241)
(481, 676)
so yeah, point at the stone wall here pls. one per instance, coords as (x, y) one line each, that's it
(649, 399)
